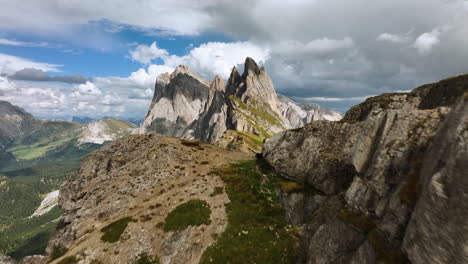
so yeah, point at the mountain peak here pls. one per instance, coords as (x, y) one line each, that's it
(250, 66)
(184, 69)
(217, 84)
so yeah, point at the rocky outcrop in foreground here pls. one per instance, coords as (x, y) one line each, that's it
(187, 106)
(117, 204)
(387, 184)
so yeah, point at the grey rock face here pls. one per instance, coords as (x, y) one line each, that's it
(178, 101)
(334, 242)
(398, 163)
(438, 229)
(187, 106)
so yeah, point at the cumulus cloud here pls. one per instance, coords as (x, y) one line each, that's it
(393, 38)
(87, 88)
(426, 41)
(174, 17)
(101, 96)
(329, 49)
(11, 64)
(22, 43)
(32, 74)
(208, 59)
(145, 54)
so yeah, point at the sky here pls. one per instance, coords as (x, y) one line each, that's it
(78, 58)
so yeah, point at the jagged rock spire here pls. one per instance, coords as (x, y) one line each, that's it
(217, 84)
(250, 66)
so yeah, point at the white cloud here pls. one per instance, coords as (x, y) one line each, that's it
(209, 59)
(426, 41)
(11, 64)
(315, 48)
(175, 17)
(393, 38)
(6, 85)
(465, 5)
(145, 54)
(146, 78)
(87, 88)
(22, 43)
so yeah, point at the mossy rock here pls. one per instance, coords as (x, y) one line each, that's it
(57, 252)
(191, 213)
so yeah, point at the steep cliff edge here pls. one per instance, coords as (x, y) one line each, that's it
(187, 106)
(385, 184)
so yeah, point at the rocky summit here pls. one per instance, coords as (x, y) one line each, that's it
(386, 184)
(186, 105)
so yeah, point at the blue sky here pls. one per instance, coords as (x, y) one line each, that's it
(79, 58)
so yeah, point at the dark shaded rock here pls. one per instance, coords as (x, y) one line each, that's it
(334, 242)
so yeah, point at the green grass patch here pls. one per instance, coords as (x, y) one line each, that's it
(191, 213)
(259, 111)
(35, 151)
(217, 191)
(57, 252)
(28, 236)
(113, 231)
(257, 230)
(255, 138)
(146, 259)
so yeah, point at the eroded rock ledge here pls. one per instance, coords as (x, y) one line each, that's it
(389, 180)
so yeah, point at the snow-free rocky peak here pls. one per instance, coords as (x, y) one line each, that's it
(186, 105)
(104, 130)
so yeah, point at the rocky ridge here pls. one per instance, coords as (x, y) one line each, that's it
(385, 184)
(131, 178)
(188, 106)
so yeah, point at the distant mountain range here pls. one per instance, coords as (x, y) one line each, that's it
(86, 120)
(35, 158)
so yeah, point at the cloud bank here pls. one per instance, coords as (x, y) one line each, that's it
(312, 49)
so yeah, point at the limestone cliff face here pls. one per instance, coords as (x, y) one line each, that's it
(187, 106)
(178, 101)
(388, 179)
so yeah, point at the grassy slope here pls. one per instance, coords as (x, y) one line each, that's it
(44, 159)
(257, 114)
(257, 231)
